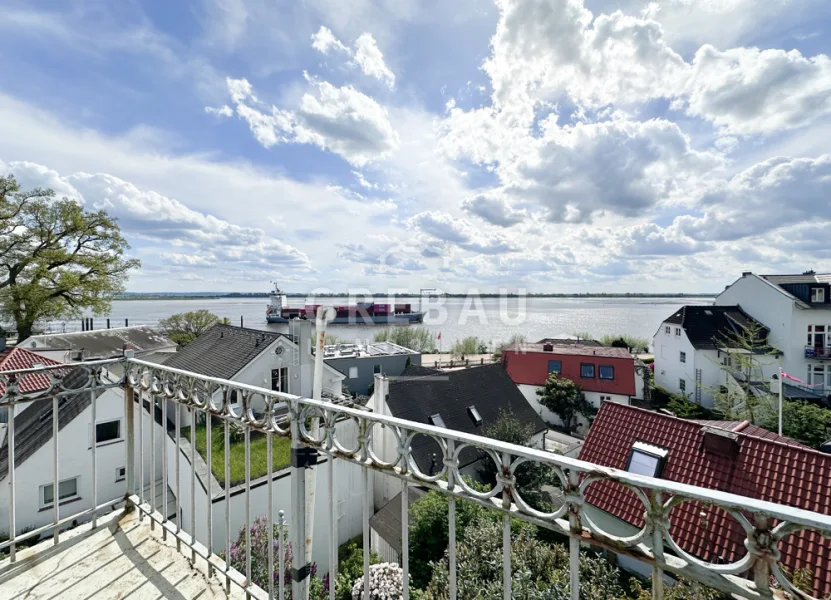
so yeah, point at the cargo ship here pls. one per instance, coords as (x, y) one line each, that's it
(362, 313)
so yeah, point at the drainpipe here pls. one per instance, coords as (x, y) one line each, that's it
(324, 315)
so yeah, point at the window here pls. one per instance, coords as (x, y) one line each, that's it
(587, 370)
(376, 369)
(682, 357)
(108, 431)
(555, 366)
(682, 385)
(667, 330)
(727, 361)
(677, 332)
(120, 474)
(817, 294)
(474, 415)
(353, 372)
(607, 372)
(280, 380)
(437, 420)
(67, 490)
(647, 459)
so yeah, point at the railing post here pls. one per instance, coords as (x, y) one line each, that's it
(129, 447)
(658, 524)
(297, 522)
(573, 541)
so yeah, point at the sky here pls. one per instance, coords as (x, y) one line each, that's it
(393, 145)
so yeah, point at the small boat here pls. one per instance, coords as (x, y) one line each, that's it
(362, 313)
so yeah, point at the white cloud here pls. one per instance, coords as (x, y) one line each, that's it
(460, 232)
(543, 49)
(371, 61)
(747, 90)
(324, 40)
(494, 209)
(366, 55)
(222, 111)
(339, 119)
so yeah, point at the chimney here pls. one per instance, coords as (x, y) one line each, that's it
(720, 442)
(746, 273)
(548, 347)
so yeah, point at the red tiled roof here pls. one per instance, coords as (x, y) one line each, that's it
(15, 358)
(747, 428)
(762, 468)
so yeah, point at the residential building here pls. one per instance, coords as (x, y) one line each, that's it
(275, 361)
(147, 553)
(695, 348)
(797, 311)
(467, 400)
(101, 343)
(604, 373)
(80, 429)
(360, 363)
(734, 457)
(15, 358)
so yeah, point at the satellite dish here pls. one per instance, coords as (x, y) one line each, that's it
(278, 350)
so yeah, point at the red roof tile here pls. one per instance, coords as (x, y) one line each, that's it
(763, 468)
(12, 359)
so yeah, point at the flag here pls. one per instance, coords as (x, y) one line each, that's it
(792, 378)
(439, 335)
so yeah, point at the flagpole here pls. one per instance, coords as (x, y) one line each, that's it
(781, 392)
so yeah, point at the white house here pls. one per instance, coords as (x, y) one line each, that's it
(691, 350)
(797, 311)
(276, 361)
(77, 435)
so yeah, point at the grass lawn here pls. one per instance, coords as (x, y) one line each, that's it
(259, 463)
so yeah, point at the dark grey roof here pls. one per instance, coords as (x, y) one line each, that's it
(33, 426)
(570, 342)
(222, 351)
(103, 343)
(709, 327)
(489, 388)
(387, 521)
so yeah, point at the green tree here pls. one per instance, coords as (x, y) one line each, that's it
(516, 338)
(633, 343)
(679, 590)
(801, 421)
(530, 476)
(539, 571)
(469, 345)
(183, 328)
(745, 353)
(56, 259)
(566, 399)
(686, 409)
(417, 339)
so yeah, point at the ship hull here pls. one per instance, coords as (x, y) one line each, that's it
(399, 319)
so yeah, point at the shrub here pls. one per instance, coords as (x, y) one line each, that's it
(417, 339)
(385, 582)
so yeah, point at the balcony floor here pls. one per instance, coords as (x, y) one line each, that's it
(121, 558)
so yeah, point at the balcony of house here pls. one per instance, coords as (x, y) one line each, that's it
(818, 352)
(274, 530)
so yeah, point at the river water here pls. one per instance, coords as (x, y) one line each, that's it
(490, 319)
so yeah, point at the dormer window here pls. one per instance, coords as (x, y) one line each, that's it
(818, 295)
(474, 415)
(647, 459)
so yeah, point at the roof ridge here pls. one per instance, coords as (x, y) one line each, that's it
(90, 331)
(249, 330)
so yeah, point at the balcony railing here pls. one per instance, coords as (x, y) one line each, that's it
(818, 352)
(758, 574)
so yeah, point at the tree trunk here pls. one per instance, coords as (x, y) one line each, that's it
(24, 331)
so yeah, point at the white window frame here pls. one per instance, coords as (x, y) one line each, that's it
(677, 332)
(120, 437)
(120, 474)
(682, 356)
(818, 295)
(682, 385)
(41, 493)
(668, 330)
(353, 372)
(654, 455)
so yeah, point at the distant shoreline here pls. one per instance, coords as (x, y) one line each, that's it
(237, 296)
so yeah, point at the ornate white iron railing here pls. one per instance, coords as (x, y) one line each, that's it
(758, 574)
